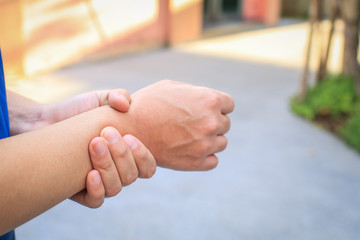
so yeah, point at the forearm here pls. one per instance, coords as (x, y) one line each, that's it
(27, 115)
(41, 168)
(24, 114)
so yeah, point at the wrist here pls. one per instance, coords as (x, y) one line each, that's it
(25, 120)
(123, 122)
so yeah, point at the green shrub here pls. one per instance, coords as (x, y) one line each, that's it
(351, 130)
(302, 109)
(333, 97)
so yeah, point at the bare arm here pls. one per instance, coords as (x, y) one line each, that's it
(182, 125)
(41, 168)
(26, 115)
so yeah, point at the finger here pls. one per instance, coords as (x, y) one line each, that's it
(219, 144)
(225, 125)
(93, 196)
(210, 162)
(121, 155)
(145, 161)
(95, 191)
(118, 99)
(103, 162)
(227, 103)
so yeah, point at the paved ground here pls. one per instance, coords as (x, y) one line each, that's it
(280, 177)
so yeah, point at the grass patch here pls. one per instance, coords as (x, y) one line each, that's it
(350, 131)
(333, 104)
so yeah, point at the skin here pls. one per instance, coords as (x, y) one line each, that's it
(27, 115)
(189, 123)
(120, 162)
(43, 167)
(112, 170)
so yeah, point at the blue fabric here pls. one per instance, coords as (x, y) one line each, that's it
(4, 117)
(4, 126)
(8, 236)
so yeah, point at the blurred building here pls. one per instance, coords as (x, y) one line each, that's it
(299, 8)
(267, 11)
(41, 35)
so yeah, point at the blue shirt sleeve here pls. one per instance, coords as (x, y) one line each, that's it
(4, 117)
(4, 126)
(8, 236)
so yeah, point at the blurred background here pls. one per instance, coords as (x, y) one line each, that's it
(291, 169)
(75, 30)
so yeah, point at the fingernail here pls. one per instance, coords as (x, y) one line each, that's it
(131, 141)
(111, 135)
(96, 179)
(99, 148)
(123, 98)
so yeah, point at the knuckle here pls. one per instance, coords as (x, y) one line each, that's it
(196, 163)
(149, 172)
(142, 153)
(205, 147)
(103, 163)
(225, 143)
(212, 125)
(213, 100)
(122, 151)
(113, 191)
(130, 178)
(227, 124)
(146, 163)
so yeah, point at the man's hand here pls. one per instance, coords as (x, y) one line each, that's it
(182, 125)
(117, 161)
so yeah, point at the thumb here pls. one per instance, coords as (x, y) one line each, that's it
(119, 99)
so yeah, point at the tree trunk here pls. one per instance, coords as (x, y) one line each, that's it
(335, 14)
(351, 16)
(320, 42)
(305, 75)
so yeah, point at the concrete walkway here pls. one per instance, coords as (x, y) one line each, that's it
(280, 177)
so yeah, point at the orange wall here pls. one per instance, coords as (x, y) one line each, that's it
(11, 37)
(267, 11)
(185, 20)
(41, 35)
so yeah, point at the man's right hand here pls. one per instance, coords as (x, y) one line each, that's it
(182, 125)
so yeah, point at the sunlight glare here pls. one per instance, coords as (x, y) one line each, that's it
(177, 5)
(120, 16)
